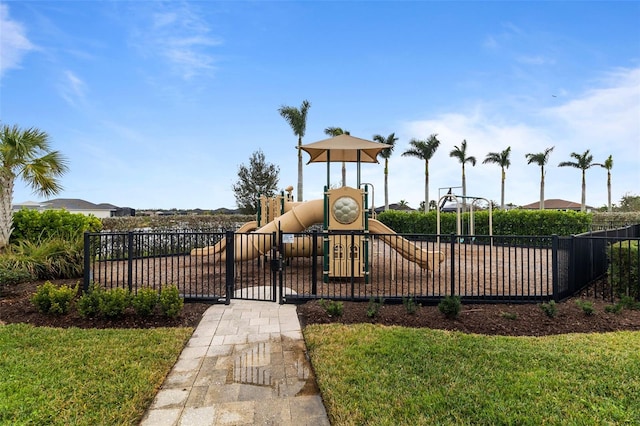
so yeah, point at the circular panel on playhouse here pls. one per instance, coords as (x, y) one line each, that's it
(345, 210)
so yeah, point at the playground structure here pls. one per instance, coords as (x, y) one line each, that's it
(343, 213)
(459, 225)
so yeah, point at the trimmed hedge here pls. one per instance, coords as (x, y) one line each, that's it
(35, 226)
(505, 222)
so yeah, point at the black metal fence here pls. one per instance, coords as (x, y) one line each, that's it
(292, 267)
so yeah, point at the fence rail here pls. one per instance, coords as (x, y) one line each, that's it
(492, 269)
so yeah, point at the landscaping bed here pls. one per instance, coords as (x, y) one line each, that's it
(492, 319)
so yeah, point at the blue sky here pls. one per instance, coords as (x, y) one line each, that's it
(156, 104)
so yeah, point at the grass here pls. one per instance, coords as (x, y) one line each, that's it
(83, 376)
(376, 375)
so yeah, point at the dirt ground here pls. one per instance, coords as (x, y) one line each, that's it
(499, 319)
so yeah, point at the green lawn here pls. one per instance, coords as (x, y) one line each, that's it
(378, 375)
(83, 377)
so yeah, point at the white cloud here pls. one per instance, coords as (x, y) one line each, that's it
(605, 119)
(13, 41)
(72, 89)
(180, 37)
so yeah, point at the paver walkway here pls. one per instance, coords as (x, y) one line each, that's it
(245, 364)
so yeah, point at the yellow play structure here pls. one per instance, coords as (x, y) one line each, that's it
(340, 212)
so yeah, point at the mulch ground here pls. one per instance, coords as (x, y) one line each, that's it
(502, 319)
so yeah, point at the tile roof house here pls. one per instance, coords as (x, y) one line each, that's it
(556, 204)
(75, 205)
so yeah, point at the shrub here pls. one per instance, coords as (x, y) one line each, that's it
(624, 267)
(11, 276)
(410, 305)
(628, 302)
(613, 309)
(374, 307)
(145, 301)
(34, 226)
(47, 259)
(509, 315)
(332, 307)
(586, 306)
(170, 302)
(550, 309)
(113, 302)
(49, 299)
(450, 306)
(88, 305)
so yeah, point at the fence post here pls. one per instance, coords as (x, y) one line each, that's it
(87, 263)
(229, 265)
(352, 261)
(554, 268)
(314, 262)
(453, 264)
(130, 261)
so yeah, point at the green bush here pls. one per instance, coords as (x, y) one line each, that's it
(333, 308)
(35, 226)
(170, 302)
(374, 307)
(145, 301)
(11, 276)
(550, 309)
(88, 305)
(450, 306)
(410, 305)
(49, 299)
(586, 306)
(112, 303)
(623, 268)
(48, 259)
(505, 222)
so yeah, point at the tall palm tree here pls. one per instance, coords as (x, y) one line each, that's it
(608, 164)
(583, 162)
(333, 132)
(540, 159)
(461, 154)
(26, 154)
(502, 160)
(297, 119)
(424, 150)
(386, 153)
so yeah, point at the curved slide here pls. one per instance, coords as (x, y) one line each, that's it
(426, 259)
(298, 218)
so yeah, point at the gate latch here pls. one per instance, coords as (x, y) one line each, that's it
(276, 265)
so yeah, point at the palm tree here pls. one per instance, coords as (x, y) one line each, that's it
(583, 162)
(424, 150)
(501, 159)
(333, 132)
(540, 159)
(461, 154)
(608, 164)
(297, 119)
(26, 154)
(386, 153)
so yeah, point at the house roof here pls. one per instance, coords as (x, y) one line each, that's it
(555, 204)
(76, 204)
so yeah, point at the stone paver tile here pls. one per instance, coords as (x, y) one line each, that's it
(303, 407)
(273, 412)
(235, 339)
(219, 394)
(270, 328)
(180, 378)
(211, 378)
(236, 413)
(187, 365)
(197, 396)
(219, 350)
(198, 416)
(194, 352)
(170, 398)
(168, 417)
(199, 341)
